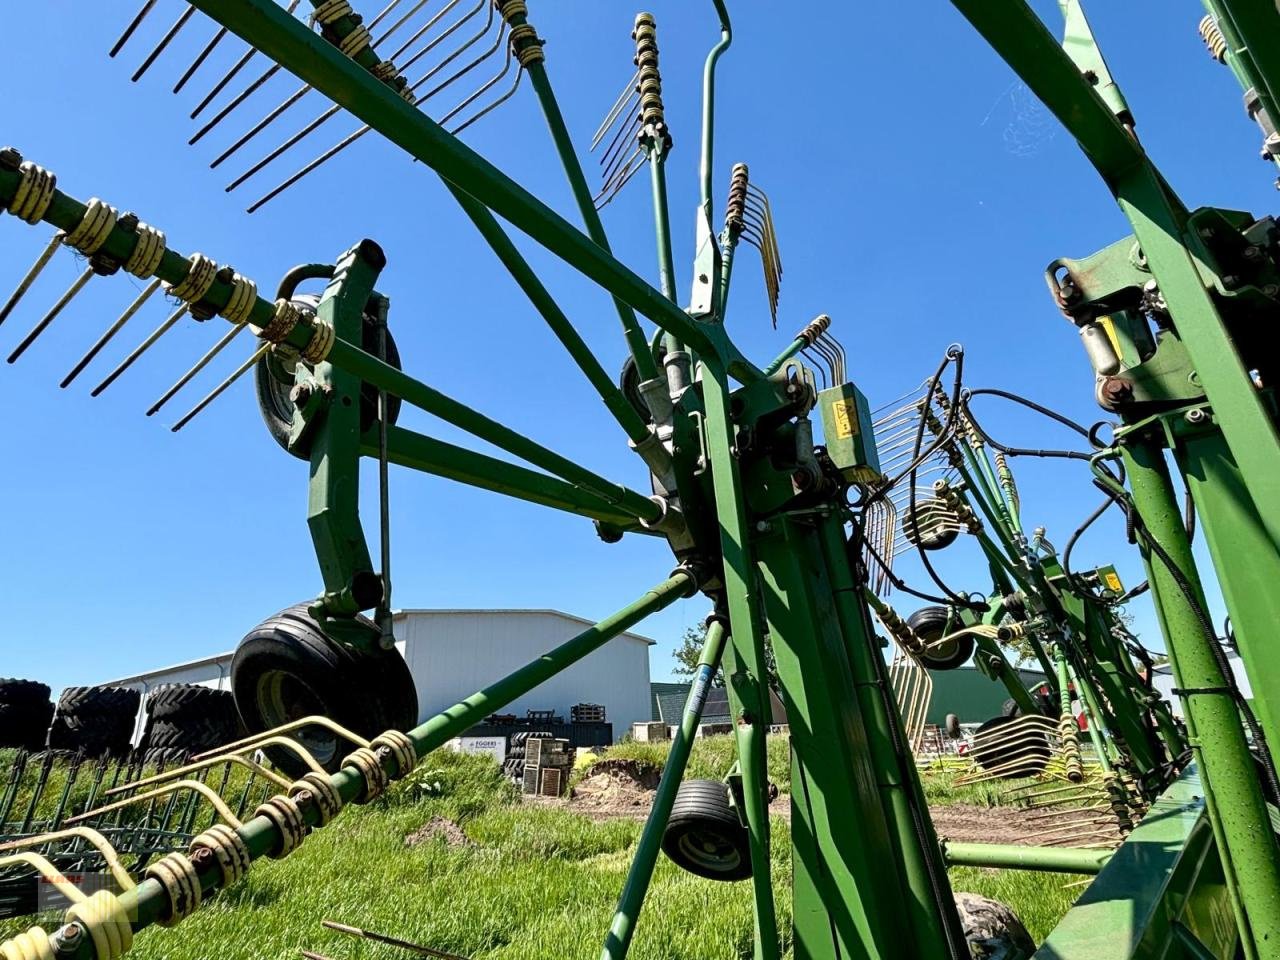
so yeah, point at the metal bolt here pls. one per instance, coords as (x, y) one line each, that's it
(763, 526)
(1197, 416)
(1230, 281)
(1116, 390)
(300, 394)
(1252, 252)
(1206, 233)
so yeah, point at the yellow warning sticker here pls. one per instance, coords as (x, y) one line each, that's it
(845, 413)
(1113, 583)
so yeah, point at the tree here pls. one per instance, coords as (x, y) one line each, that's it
(689, 651)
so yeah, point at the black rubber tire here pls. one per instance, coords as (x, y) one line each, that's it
(704, 834)
(928, 623)
(186, 699)
(992, 930)
(95, 720)
(951, 724)
(20, 693)
(1010, 708)
(169, 757)
(25, 714)
(1028, 758)
(273, 383)
(287, 668)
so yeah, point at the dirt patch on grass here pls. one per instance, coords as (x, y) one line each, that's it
(439, 828)
(970, 824)
(616, 788)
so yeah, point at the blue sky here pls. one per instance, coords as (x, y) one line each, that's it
(918, 190)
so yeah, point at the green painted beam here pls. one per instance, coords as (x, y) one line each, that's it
(1012, 856)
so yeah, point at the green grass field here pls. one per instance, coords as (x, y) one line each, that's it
(528, 883)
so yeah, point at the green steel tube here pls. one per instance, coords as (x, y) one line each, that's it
(1233, 797)
(406, 448)
(147, 903)
(935, 927)
(776, 363)
(707, 161)
(266, 26)
(727, 254)
(1253, 26)
(991, 486)
(636, 339)
(1010, 856)
(1240, 60)
(745, 670)
(372, 370)
(523, 274)
(1097, 731)
(662, 224)
(627, 916)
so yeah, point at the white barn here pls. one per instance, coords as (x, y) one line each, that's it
(454, 653)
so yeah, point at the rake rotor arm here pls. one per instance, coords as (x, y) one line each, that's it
(316, 62)
(147, 903)
(429, 455)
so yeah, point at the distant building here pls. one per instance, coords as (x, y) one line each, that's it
(668, 705)
(454, 653)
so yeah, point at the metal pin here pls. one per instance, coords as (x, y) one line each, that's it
(284, 147)
(620, 179)
(222, 387)
(49, 317)
(399, 23)
(426, 27)
(133, 25)
(186, 15)
(24, 285)
(111, 332)
(142, 348)
(201, 57)
(203, 362)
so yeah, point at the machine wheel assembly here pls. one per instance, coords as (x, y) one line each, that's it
(928, 623)
(95, 720)
(287, 668)
(992, 930)
(273, 380)
(924, 526)
(25, 713)
(704, 834)
(952, 726)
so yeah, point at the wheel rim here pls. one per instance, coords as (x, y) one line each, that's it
(283, 698)
(709, 849)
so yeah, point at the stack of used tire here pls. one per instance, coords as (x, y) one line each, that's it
(25, 712)
(513, 767)
(95, 720)
(183, 719)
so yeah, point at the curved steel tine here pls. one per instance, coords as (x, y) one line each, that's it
(133, 26)
(279, 151)
(93, 837)
(142, 348)
(382, 15)
(318, 161)
(235, 101)
(404, 18)
(201, 57)
(763, 198)
(303, 754)
(617, 144)
(817, 364)
(25, 283)
(491, 107)
(200, 364)
(426, 28)
(49, 872)
(312, 721)
(443, 84)
(620, 179)
(234, 71)
(222, 387)
(111, 332)
(333, 110)
(49, 317)
(195, 786)
(261, 125)
(186, 15)
(629, 92)
(487, 85)
(200, 763)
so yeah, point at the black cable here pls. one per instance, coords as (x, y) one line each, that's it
(958, 358)
(858, 539)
